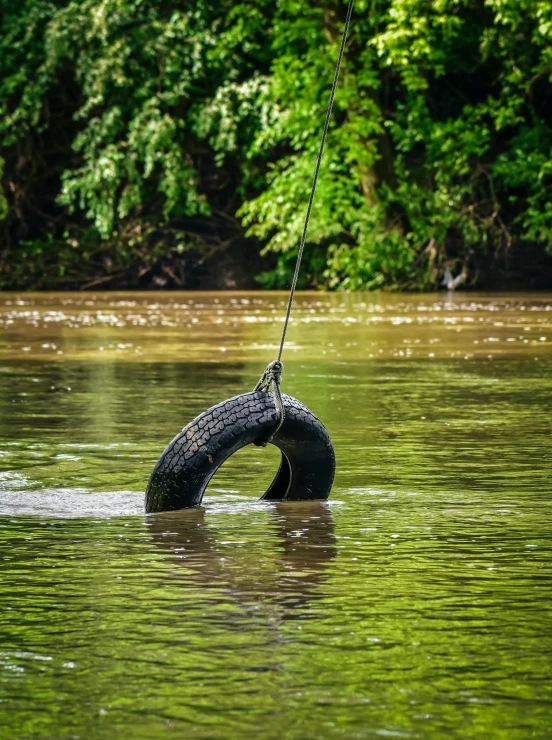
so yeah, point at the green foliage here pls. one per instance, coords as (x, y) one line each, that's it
(439, 147)
(130, 127)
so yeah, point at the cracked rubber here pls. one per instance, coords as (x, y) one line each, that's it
(185, 468)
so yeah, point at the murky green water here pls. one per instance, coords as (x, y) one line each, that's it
(417, 603)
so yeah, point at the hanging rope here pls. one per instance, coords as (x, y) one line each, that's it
(273, 373)
(315, 179)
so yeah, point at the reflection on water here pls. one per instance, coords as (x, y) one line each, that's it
(305, 545)
(415, 603)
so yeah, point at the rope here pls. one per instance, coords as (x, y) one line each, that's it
(273, 373)
(315, 179)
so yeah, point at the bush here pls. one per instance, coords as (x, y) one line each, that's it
(134, 132)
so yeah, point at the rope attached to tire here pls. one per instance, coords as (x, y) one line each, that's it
(272, 376)
(273, 373)
(307, 465)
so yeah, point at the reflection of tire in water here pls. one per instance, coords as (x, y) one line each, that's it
(306, 531)
(185, 468)
(287, 567)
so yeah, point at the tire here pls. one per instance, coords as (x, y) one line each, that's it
(185, 468)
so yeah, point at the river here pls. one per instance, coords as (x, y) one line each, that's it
(415, 603)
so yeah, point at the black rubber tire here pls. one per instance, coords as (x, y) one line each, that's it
(185, 468)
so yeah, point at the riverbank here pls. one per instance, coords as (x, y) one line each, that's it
(167, 149)
(240, 265)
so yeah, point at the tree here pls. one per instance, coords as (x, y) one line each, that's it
(139, 135)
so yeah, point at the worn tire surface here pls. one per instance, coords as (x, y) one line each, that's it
(185, 468)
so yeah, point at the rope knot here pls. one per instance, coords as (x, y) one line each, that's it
(272, 376)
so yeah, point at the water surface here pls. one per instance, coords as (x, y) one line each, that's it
(416, 603)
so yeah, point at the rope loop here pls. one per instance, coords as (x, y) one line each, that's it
(272, 376)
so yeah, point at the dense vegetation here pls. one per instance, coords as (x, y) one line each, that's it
(164, 142)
